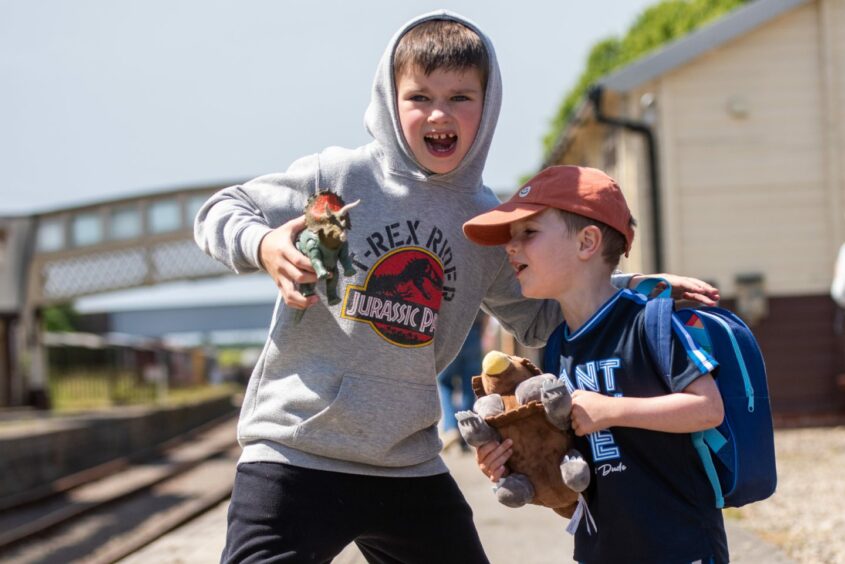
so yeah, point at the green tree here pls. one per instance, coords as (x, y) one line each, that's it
(59, 317)
(657, 25)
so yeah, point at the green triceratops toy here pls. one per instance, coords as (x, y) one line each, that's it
(323, 241)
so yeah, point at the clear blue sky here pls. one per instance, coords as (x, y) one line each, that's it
(104, 98)
(108, 98)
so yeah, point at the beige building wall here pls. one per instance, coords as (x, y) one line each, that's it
(744, 164)
(831, 14)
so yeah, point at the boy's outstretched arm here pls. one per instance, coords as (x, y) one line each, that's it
(491, 458)
(696, 408)
(286, 265)
(252, 226)
(684, 288)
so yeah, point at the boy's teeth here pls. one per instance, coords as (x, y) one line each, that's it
(440, 135)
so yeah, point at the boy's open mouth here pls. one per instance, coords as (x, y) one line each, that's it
(518, 267)
(441, 144)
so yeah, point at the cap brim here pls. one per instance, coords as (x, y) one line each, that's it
(493, 227)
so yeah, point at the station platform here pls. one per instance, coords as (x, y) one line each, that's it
(529, 535)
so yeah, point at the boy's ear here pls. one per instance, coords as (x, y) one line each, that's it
(589, 242)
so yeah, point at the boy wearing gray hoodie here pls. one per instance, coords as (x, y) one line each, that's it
(339, 421)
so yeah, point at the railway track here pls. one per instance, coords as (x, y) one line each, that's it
(107, 513)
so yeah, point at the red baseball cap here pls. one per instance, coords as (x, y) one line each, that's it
(581, 190)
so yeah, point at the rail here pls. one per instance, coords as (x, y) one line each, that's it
(106, 513)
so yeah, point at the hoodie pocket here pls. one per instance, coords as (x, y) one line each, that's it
(375, 420)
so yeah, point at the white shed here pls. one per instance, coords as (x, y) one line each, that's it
(748, 184)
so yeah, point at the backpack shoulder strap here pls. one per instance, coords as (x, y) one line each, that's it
(658, 331)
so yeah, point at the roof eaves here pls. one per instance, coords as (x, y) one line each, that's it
(700, 41)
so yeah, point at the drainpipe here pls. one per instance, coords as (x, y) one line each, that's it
(595, 94)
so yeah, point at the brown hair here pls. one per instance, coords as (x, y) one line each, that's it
(613, 242)
(441, 44)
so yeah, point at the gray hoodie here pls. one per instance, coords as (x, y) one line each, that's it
(351, 388)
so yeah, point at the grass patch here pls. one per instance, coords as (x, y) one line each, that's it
(87, 391)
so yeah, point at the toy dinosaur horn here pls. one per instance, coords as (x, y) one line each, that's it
(346, 208)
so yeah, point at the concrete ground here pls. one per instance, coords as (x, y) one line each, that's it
(529, 535)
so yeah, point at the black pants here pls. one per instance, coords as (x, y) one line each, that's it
(282, 513)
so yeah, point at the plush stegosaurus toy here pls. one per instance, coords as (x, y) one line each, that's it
(516, 401)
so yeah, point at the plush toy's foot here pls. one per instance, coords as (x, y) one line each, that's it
(575, 471)
(531, 389)
(514, 490)
(489, 405)
(474, 429)
(558, 403)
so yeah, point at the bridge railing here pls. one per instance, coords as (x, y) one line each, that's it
(117, 245)
(68, 253)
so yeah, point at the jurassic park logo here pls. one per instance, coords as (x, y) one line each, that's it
(400, 297)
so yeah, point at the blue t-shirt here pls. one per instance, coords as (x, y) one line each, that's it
(649, 495)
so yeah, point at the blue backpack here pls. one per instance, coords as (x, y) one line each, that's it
(738, 455)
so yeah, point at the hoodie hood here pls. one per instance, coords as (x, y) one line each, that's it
(382, 116)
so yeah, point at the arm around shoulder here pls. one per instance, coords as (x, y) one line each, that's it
(683, 287)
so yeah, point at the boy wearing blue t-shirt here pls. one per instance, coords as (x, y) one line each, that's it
(564, 232)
